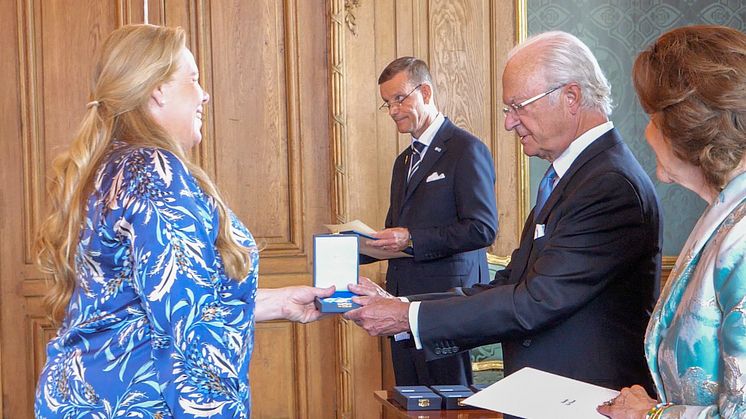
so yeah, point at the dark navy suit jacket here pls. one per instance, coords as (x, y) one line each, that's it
(577, 300)
(449, 208)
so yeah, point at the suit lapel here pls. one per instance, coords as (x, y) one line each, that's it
(604, 142)
(399, 183)
(523, 257)
(524, 250)
(434, 152)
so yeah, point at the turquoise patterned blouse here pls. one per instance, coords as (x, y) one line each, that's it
(696, 339)
(155, 328)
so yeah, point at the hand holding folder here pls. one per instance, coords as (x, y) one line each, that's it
(365, 233)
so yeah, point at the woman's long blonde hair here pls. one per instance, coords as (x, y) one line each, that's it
(131, 63)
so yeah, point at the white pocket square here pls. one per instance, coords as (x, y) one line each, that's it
(539, 231)
(435, 176)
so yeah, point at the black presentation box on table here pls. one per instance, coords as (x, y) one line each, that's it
(335, 262)
(417, 398)
(453, 396)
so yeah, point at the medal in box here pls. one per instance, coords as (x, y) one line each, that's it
(335, 262)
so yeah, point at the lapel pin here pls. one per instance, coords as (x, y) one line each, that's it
(437, 149)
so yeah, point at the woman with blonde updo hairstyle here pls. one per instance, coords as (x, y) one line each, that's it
(692, 84)
(154, 279)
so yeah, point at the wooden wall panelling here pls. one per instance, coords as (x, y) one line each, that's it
(511, 165)
(247, 148)
(460, 61)
(259, 140)
(270, 154)
(355, 185)
(314, 135)
(255, 106)
(274, 351)
(468, 44)
(50, 50)
(192, 16)
(339, 185)
(10, 177)
(130, 11)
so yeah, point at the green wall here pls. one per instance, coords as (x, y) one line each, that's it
(616, 30)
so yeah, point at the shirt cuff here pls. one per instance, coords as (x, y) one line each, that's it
(414, 312)
(402, 335)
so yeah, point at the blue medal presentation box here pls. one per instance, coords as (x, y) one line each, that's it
(453, 396)
(417, 398)
(335, 262)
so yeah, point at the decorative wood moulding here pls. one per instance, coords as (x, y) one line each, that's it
(345, 382)
(294, 156)
(29, 58)
(199, 27)
(34, 287)
(350, 19)
(338, 110)
(41, 331)
(130, 11)
(338, 14)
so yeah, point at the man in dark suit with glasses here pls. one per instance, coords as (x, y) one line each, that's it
(442, 210)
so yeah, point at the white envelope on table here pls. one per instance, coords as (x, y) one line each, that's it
(435, 176)
(535, 394)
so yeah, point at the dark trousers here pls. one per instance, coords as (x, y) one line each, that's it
(410, 367)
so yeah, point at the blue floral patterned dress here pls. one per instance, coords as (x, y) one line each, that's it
(155, 328)
(696, 338)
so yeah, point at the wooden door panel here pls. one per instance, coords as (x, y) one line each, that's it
(251, 146)
(49, 47)
(255, 116)
(57, 43)
(274, 356)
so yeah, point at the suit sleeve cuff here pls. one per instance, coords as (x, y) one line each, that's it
(414, 312)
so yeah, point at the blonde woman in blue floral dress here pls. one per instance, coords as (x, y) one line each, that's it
(154, 278)
(692, 82)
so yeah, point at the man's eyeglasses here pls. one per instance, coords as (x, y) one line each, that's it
(515, 107)
(396, 102)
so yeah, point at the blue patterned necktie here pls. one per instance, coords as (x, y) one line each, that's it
(545, 189)
(414, 163)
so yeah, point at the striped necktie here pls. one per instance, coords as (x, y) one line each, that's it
(414, 162)
(545, 189)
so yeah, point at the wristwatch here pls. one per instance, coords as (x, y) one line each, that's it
(409, 243)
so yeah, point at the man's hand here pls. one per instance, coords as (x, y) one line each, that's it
(382, 314)
(393, 239)
(367, 287)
